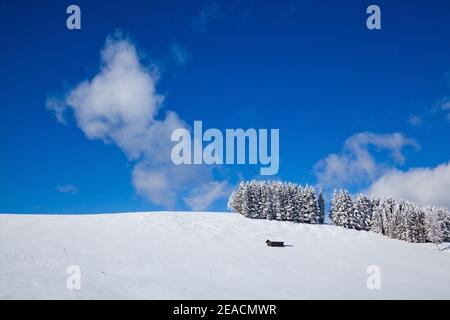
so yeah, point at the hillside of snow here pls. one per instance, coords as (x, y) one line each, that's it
(171, 255)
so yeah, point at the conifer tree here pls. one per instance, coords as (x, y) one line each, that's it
(341, 208)
(236, 199)
(376, 224)
(250, 203)
(362, 213)
(435, 225)
(310, 207)
(321, 207)
(270, 202)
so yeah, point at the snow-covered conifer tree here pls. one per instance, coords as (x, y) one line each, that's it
(341, 208)
(236, 199)
(297, 197)
(376, 224)
(250, 203)
(388, 206)
(362, 213)
(302, 203)
(399, 227)
(415, 224)
(289, 201)
(270, 206)
(279, 196)
(260, 199)
(310, 206)
(321, 207)
(231, 204)
(436, 224)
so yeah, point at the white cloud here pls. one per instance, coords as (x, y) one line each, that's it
(180, 55)
(67, 188)
(164, 184)
(209, 12)
(426, 185)
(415, 120)
(445, 105)
(201, 198)
(356, 164)
(57, 107)
(120, 105)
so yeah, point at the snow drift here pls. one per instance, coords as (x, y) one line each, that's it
(171, 255)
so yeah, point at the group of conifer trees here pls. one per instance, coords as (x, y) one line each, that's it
(275, 200)
(398, 219)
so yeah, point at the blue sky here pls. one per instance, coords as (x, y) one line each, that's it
(310, 68)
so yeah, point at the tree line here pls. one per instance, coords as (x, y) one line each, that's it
(395, 218)
(276, 200)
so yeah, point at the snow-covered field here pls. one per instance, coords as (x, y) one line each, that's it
(209, 256)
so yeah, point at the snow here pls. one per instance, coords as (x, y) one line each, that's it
(181, 255)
